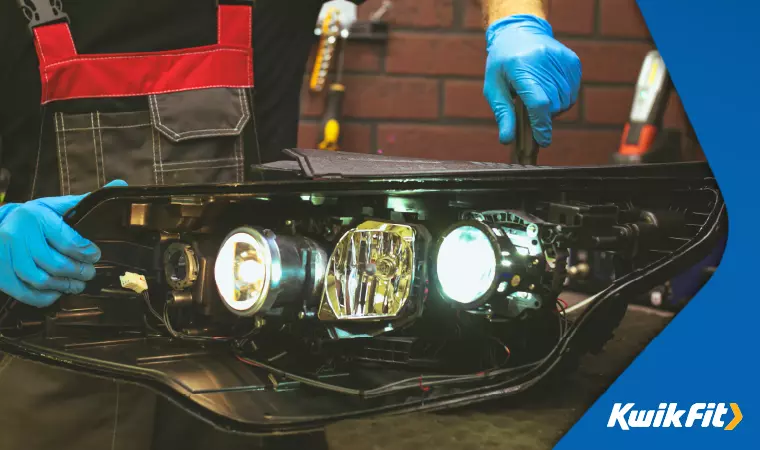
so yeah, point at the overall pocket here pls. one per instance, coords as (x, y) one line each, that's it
(184, 137)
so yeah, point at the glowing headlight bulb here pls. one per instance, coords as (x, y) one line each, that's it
(242, 270)
(466, 264)
(251, 271)
(250, 265)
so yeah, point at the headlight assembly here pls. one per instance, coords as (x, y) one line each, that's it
(258, 271)
(376, 272)
(479, 260)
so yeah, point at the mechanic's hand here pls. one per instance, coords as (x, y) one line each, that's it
(524, 57)
(41, 257)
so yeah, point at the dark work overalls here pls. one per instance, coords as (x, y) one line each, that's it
(180, 116)
(172, 117)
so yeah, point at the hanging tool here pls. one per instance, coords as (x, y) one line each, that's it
(381, 11)
(328, 32)
(526, 147)
(330, 135)
(649, 103)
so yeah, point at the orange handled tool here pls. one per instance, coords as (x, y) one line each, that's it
(649, 103)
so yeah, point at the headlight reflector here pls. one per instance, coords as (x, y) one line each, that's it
(372, 272)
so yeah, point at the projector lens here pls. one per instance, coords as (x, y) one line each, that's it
(243, 271)
(466, 264)
(257, 271)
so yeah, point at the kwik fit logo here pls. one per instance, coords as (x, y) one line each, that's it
(669, 415)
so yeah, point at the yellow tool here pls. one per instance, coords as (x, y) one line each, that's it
(330, 129)
(329, 32)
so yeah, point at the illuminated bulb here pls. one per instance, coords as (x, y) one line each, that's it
(466, 264)
(243, 270)
(251, 271)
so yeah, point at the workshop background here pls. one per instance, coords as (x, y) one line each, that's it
(420, 94)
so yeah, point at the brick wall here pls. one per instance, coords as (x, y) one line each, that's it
(421, 95)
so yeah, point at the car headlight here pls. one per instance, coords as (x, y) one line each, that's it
(476, 260)
(256, 271)
(466, 264)
(376, 272)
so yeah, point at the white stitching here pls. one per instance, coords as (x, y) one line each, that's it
(235, 150)
(226, 166)
(244, 115)
(47, 87)
(60, 157)
(153, 138)
(108, 127)
(102, 158)
(116, 418)
(249, 66)
(66, 156)
(39, 44)
(255, 132)
(160, 159)
(95, 150)
(219, 26)
(241, 146)
(139, 94)
(151, 55)
(71, 39)
(199, 161)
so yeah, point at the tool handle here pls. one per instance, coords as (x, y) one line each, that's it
(526, 147)
(329, 133)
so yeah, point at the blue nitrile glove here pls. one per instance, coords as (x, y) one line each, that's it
(524, 57)
(41, 257)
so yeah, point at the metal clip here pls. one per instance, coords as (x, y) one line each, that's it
(42, 12)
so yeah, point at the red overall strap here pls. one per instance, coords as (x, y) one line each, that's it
(65, 74)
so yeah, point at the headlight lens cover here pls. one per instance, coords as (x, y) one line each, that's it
(371, 273)
(243, 271)
(466, 264)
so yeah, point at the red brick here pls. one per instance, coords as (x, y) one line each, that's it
(380, 97)
(675, 116)
(480, 143)
(464, 99)
(359, 57)
(448, 142)
(473, 14)
(610, 61)
(413, 13)
(622, 18)
(612, 105)
(572, 16)
(566, 16)
(436, 54)
(608, 105)
(579, 147)
(356, 137)
(572, 114)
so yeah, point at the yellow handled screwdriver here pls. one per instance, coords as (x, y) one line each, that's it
(330, 135)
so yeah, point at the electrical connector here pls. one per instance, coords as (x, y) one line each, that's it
(134, 282)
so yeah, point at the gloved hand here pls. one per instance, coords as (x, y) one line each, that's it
(41, 257)
(524, 57)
